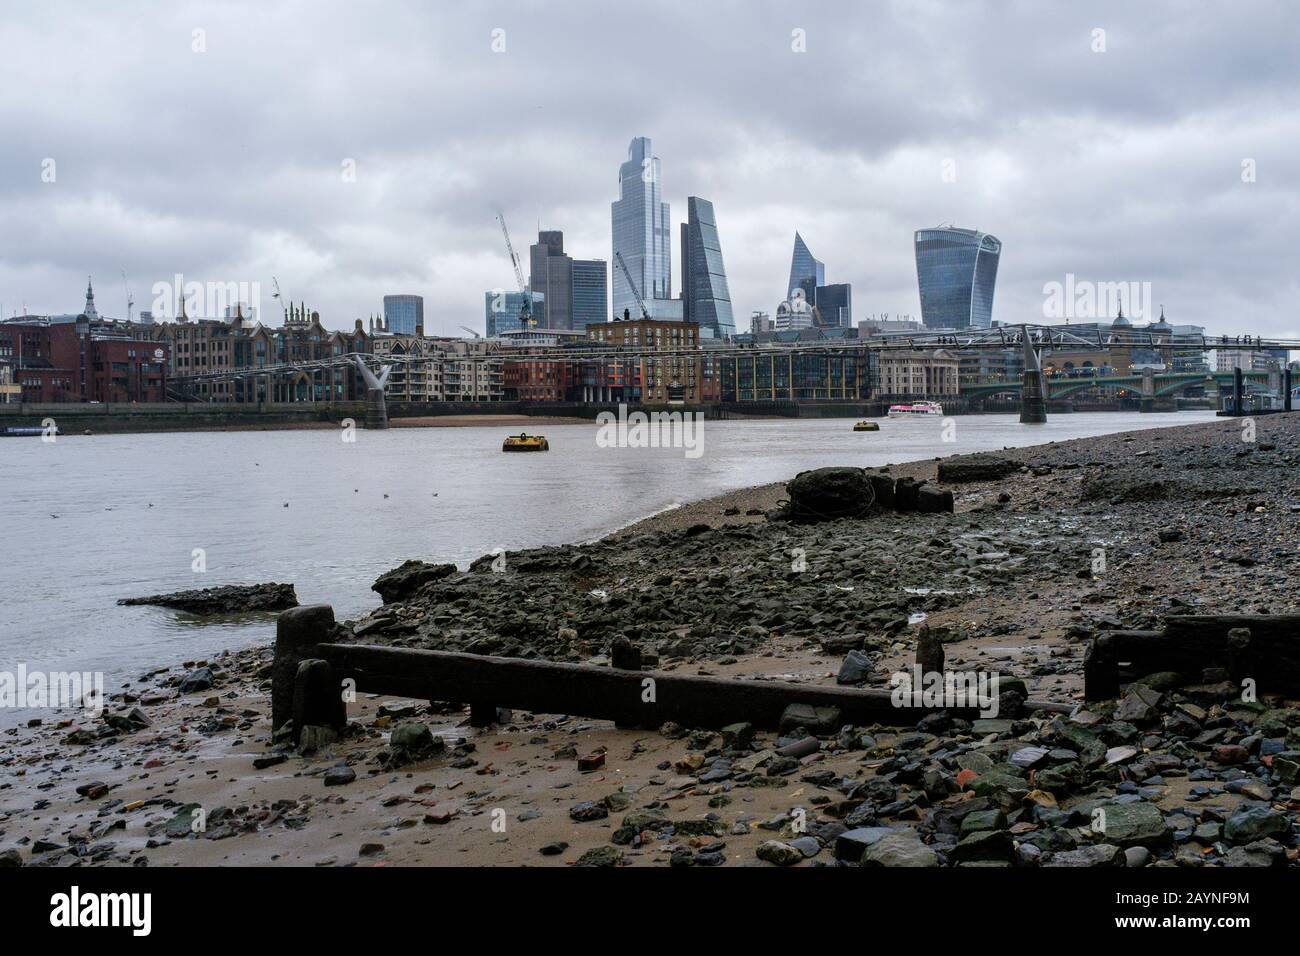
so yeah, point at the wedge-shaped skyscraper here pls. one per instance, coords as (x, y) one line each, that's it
(956, 270)
(803, 266)
(706, 298)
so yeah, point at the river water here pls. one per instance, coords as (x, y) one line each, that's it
(90, 519)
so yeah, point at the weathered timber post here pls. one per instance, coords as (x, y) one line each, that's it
(1033, 393)
(1100, 670)
(624, 655)
(318, 697)
(929, 652)
(297, 631)
(1241, 656)
(1286, 389)
(1238, 392)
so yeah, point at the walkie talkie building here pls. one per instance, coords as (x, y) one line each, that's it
(956, 270)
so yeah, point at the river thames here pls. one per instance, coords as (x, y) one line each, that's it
(90, 519)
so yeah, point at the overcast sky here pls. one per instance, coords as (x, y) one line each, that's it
(227, 164)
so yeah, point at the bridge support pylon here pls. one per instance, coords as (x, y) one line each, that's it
(1033, 395)
(376, 407)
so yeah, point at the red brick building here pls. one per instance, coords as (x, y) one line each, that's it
(83, 359)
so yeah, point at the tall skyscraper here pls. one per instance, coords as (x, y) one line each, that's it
(803, 265)
(641, 231)
(590, 293)
(706, 298)
(552, 278)
(402, 313)
(956, 270)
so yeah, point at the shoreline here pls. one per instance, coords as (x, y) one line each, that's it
(1035, 630)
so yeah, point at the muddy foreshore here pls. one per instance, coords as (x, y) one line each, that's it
(1080, 538)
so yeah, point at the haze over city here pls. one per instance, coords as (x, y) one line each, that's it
(1164, 156)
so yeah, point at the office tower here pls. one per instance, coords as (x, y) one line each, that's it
(402, 313)
(803, 265)
(552, 278)
(706, 298)
(590, 293)
(834, 305)
(956, 270)
(641, 231)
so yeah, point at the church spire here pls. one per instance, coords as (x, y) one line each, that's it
(89, 311)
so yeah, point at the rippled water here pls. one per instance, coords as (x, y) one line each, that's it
(90, 519)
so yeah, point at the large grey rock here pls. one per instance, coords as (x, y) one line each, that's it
(1255, 823)
(978, 467)
(227, 599)
(1133, 824)
(1099, 854)
(856, 667)
(825, 494)
(899, 848)
(408, 577)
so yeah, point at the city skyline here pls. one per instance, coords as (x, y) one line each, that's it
(256, 188)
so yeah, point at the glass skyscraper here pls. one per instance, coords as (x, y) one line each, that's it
(641, 230)
(590, 293)
(803, 265)
(402, 313)
(956, 270)
(706, 299)
(502, 308)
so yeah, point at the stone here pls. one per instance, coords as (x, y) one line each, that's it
(855, 668)
(827, 494)
(979, 820)
(983, 845)
(339, 776)
(1255, 823)
(1099, 854)
(737, 736)
(601, 856)
(1137, 856)
(901, 848)
(201, 678)
(10, 858)
(1132, 824)
(816, 720)
(850, 844)
(587, 811)
(227, 599)
(1139, 704)
(413, 741)
(977, 467)
(778, 853)
(407, 578)
(1261, 853)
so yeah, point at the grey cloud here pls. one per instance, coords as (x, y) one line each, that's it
(225, 165)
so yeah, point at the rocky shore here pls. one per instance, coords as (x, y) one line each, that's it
(1046, 548)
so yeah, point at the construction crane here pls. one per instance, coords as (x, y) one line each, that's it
(627, 274)
(526, 319)
(471, 331)
(276, 294)
(130, 301)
